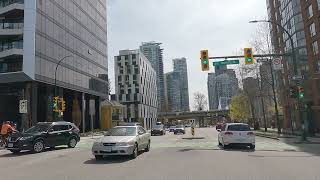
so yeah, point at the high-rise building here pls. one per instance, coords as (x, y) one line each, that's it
(153, 52)
(221, 88)
(135, 82)
(173, 91)
(212, 96)
(35, 36)
(180, 66)
(301, 19)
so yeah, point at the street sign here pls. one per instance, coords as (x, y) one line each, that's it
(23, 106)
(226, 62)
(277, 64)
(297, 77)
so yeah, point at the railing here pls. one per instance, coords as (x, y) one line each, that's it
(11, 24)
(4, 45)
(5, 3)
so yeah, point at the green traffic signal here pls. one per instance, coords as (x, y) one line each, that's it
(249, 60)
(301, 95)
(204, 61)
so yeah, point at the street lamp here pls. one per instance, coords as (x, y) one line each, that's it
(55, 78)
(294, 65)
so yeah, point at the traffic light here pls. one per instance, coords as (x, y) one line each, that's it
(248, 56)
(55, 104)
(63, 105)
(293, 92)
(301, 91)
(204, 60)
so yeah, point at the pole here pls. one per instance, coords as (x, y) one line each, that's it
(55, 81)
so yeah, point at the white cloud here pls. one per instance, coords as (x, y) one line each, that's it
(184, 27)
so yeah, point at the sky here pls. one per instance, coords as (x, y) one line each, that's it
(184, 27)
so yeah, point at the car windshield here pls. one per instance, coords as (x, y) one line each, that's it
(172, 126)
(180, 126)
(122, 131)
(157, 127)
(239, 127)
(38, 128)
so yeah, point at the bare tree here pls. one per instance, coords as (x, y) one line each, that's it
(200, 101)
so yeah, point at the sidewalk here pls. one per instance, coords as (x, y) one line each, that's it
(296, 138)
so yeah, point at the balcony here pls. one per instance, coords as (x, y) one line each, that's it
(11, 8)
(11, 28)
(9, 49)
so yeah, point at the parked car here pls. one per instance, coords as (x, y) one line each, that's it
(179, 129)
(131, 124)
(44, 134)
(122, 140)
(171, 129)
(158, 130)
(236, 134)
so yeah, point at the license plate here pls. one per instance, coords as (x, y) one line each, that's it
(10, 145)
(108, 149)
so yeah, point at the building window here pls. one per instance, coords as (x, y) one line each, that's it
(309, 11)
(126, 57)
(315, 49)
(312, 29)
(133, 56)
(318, 4)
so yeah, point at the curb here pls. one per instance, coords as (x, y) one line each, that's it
(268, 136)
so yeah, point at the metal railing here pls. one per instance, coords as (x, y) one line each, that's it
(4, 3)
(11, 45)
(11, 24)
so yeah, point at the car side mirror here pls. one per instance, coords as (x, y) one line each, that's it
(219, 130)
(140, 133)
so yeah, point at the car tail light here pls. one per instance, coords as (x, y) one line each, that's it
(250, 133)
(228, 133)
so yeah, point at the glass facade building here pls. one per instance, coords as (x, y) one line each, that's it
(34, 36)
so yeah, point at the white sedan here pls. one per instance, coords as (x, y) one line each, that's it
(122, 140)
(236, 134)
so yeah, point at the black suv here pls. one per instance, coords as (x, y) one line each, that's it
(44, 134)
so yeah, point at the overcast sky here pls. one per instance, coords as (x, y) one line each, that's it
(184, 27)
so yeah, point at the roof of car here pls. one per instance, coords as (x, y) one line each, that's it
(127, 126)
(236, 124)
(56, 123)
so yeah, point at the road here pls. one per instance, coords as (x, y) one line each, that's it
(171, 157)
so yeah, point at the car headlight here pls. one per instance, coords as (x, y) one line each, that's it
(25, 138)
(125, 143)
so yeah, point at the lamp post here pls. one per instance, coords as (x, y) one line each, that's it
(55, 78)
(295, 69)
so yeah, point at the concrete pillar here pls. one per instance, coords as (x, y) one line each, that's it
(34, 103)
(83, 113)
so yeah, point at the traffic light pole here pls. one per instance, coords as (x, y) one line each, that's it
(55, 82)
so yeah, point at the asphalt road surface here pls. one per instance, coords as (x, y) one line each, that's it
(172, 157)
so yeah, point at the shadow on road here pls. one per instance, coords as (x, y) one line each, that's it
(303, 147)
(109, 160)
(23, 153)
(235, 148)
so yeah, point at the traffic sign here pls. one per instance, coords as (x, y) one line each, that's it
(277, 64)
(23, 106)
(226, 62)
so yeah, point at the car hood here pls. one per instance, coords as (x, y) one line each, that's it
(115, 139)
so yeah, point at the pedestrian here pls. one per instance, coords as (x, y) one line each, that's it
(5, 130)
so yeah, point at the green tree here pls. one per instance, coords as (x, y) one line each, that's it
(240, 108)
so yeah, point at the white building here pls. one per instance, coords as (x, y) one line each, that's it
(136, 87)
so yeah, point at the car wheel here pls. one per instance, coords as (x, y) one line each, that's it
(148, 147)
(174, 133)
(15, 151)
(38, 146)
(72, 142)
(135, 151)
(98, 157)
(252, 146)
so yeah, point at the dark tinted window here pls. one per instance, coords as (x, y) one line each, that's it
(60, 127)
(39, 128)
(122, 131)
(239, 127)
